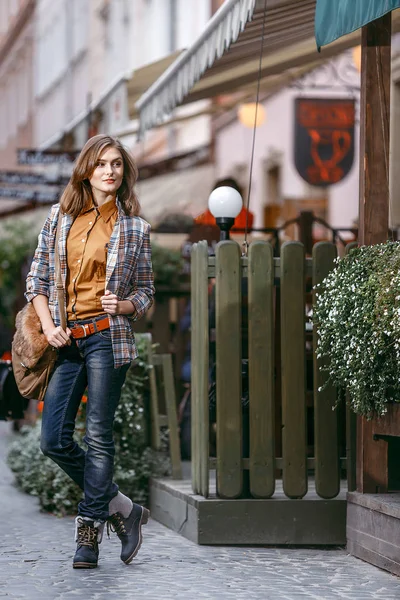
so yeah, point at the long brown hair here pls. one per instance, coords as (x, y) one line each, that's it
(78, 192)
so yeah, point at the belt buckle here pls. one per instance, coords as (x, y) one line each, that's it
(84, 329)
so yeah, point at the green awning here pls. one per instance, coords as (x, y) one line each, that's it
(335, 18)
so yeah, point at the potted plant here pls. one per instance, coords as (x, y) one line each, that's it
(357, 314)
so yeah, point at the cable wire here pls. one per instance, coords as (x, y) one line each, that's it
(245, 243)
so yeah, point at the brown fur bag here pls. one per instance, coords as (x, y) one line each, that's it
(33, 358)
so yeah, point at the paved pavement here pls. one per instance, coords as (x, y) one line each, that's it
(36, 551)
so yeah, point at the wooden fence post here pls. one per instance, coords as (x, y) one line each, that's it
(261, 369)
(294, 424)
(203, 366)
(228, 367)
(326, 440)
(195, 370)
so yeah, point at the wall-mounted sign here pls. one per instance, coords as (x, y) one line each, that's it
(187, 160)
(27, 156)
(324, 139)
(40, 196)
(25, 178)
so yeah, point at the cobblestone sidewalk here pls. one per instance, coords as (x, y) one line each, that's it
(36, 551)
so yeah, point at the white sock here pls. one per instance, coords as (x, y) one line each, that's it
(100, 527)
(121, 504)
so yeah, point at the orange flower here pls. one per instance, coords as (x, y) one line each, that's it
(206, 218)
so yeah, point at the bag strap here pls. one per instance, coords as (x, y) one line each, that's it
(59, 283)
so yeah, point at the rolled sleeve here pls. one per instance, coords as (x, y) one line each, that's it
(37, 281)
(142, 292)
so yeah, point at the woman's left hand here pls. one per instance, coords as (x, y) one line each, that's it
(110, 303)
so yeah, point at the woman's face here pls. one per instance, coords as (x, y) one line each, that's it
(108, 173)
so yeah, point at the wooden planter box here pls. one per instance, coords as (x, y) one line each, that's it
(373, 512)
(378, 441)
(373, 529)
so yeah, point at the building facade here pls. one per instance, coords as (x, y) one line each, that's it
(64, 70)
(61, 85)
(16, 79)
(278, 191)
(65, 67)
(161, 28)
(87, 50)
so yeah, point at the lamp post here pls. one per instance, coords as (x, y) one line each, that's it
(225, 203)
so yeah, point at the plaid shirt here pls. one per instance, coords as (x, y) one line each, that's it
(129, 274)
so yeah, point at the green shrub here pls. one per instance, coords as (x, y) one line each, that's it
(167, 265)
(17, 245)
(39, 476)
(135, 461)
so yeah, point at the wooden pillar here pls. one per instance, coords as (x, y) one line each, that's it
(372, 455)
(374, 131)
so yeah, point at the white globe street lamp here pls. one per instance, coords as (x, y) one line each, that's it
(225, 203)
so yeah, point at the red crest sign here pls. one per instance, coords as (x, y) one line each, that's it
(324, 139)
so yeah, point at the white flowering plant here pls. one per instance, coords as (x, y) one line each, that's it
(357, 315)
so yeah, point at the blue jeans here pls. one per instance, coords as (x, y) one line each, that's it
(88, 362)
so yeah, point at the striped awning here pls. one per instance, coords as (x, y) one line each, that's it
(225, 58)
(334, 18)
(226, 54)
(142, 78)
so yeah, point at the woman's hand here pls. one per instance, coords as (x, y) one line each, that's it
(57, 337)
(112, 306)
(110, 303)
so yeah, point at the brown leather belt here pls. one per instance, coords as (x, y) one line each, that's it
(81, 330)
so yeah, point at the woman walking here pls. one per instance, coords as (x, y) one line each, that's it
(105, 262)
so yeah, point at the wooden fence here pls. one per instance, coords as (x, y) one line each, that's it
(278, 415)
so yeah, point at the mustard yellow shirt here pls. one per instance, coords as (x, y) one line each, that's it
(87, 245)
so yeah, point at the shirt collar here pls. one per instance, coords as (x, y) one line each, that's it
(106, 211)
(88, 207)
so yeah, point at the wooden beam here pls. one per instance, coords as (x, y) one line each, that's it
(372, 455)
(374, 131)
